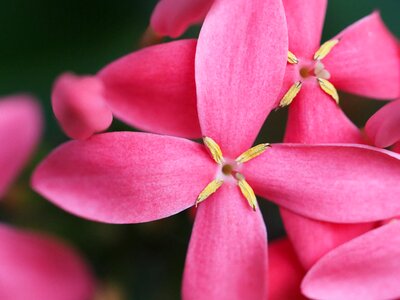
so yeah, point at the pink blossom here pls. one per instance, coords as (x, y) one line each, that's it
(152, 89)
(363, 60)
(130, 177)
(33, 266)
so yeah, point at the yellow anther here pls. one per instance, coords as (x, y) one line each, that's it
(328, 88)
(291, 94)
(214, 149)
(252, 153)
(325, 49)
(292, 59)
(210, 189)
(247, 191)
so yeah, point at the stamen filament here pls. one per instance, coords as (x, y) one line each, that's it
(252, 153)
(292, 59)
(247, 191)
(291, 94)
(214, 149)
(329, 88)
(210, 189)
(325, 48)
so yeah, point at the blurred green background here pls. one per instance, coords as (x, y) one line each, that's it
(42, 38)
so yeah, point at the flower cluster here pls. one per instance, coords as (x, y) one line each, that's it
(200, 105)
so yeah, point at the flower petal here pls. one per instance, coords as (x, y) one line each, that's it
(154, 89)
(366, 61)
(237, 78)
(285, 271)
(173, 17)
(305, 23)
(337, 183)
(384, 126)
(364, 268)
(125, 177)
(34, 266)
(312, 239)
(227, 256)
(79, 105)
(20, 129)
(314, 117)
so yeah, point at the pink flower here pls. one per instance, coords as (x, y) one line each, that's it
(152, 89)
(372, 260)
(363, 59)
(130, 177)
(33, 266)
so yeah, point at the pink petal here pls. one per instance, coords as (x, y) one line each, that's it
(384, 126)
(364, 268)
(366, 61)
(314, 117)
(285, 272)
(338, 183)
(227, 256)
(125, 177)
(238, 79)
(305, 23)
(173, 17)
(20, 129)
(79, 105)
(312, 239)
(154, 89)
(34, 266)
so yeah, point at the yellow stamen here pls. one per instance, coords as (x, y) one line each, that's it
(247, 191)
(214, 149)
(328, 88)
(252, 153)
(325, 49)
(291, 94)
(210, 189)
(292, 59)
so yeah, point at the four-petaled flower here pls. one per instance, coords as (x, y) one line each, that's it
(137, 177)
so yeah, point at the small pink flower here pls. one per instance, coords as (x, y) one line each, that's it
(32, 266)
(20, 129)
(152, 89)
(130, 177)
(35, 266)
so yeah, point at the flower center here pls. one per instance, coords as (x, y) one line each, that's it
(312, 70)
(229, 170)
(305, 72)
